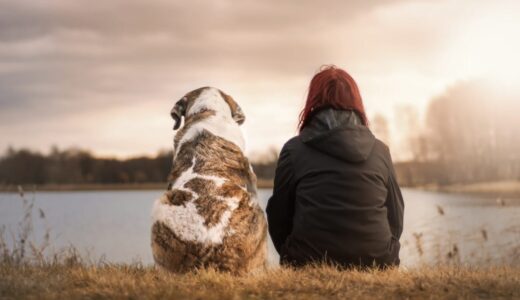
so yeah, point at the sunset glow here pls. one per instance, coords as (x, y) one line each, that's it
(104, 78)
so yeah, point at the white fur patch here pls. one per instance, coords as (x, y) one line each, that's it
(211, 99)
(188, 225)
(190, 174)
(185, 221)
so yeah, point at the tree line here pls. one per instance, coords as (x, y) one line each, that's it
(77, 166)
(470, 133)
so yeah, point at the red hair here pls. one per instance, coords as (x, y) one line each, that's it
(332, 87)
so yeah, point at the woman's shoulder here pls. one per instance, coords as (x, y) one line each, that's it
(292, 144)
(381, 146)
(383, 152)
(291, 148)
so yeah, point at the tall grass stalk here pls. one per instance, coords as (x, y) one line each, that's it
(24, 247)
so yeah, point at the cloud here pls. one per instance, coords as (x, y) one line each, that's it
(73, 71)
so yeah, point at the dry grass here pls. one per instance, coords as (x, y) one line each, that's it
(131, 282)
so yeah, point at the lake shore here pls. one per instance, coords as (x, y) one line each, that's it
(262, 184)
(137, 282)
(509, 189)
(494, 189)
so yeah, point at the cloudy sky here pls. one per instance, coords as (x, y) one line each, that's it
(103, 75)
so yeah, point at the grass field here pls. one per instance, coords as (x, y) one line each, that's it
(136, 282)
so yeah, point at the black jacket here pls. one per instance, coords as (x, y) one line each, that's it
(335, 196)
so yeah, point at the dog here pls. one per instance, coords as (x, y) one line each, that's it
(209, 216)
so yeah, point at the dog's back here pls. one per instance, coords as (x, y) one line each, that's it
(209, 217)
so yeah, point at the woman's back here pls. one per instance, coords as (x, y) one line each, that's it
(340, 178)
(335, 195)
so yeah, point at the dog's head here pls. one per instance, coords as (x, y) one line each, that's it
(206, 99)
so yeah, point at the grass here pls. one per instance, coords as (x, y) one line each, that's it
(318, 282)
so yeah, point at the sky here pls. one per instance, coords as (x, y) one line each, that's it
(104, 75)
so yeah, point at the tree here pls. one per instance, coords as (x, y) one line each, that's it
(379, 126)
(473, 131)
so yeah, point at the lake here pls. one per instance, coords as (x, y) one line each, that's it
(115, 225)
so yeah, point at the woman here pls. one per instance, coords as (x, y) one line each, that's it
(335, 196)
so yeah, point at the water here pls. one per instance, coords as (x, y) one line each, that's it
(115, 225)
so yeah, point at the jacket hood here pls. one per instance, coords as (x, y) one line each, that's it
(339, 133)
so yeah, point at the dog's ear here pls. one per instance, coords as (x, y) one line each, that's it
(236, 110)
(179, 111)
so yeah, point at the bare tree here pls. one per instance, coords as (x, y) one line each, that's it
(380, 128)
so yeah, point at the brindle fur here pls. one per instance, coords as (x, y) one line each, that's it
(243, 249)
(178, 197)
(190, 121)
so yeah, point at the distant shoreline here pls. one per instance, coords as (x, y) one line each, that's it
(263, 184)
(493, 189)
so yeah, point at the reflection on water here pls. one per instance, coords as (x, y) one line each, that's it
(116, 225)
